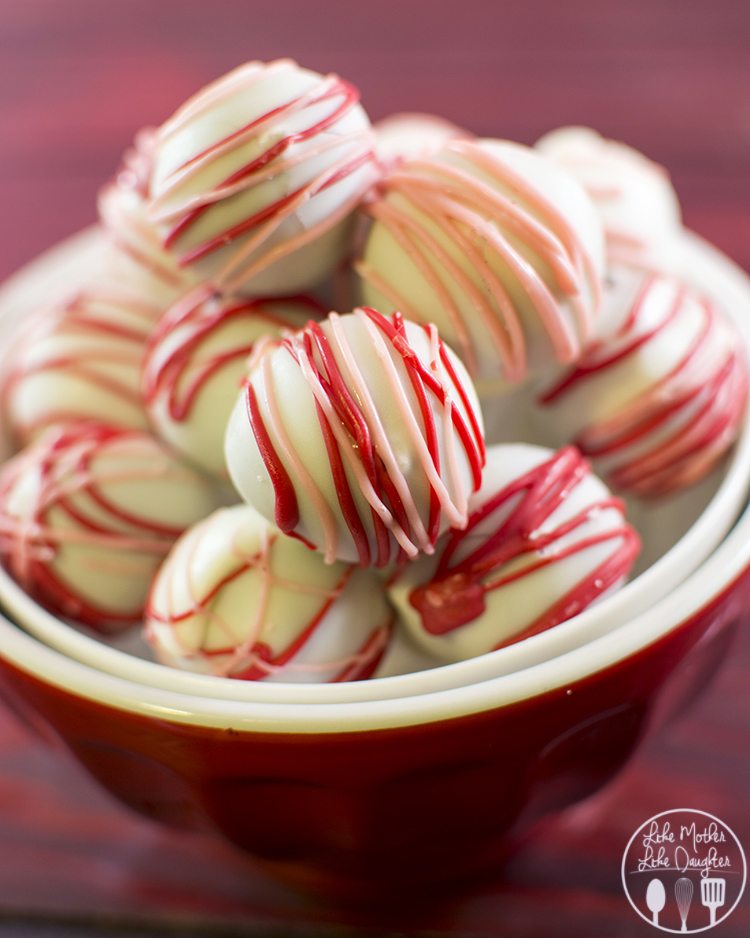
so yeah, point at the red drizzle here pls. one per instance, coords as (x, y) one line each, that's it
(253, 659)
(287, 509)
(456, 595)
(676, 430)
(345, 97)
(431, 393)
(67, 482)
(96, 330)
(264, 661)
(484, 210)
(473, 441)
(197, 318)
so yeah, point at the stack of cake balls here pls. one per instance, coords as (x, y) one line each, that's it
(268, 490)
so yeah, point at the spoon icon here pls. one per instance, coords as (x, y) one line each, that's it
(656, 899)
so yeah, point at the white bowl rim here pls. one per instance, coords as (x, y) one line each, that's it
(633, 599)
(717, 575)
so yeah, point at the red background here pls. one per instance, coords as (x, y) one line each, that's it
(77, 78)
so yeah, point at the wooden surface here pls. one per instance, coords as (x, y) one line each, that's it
(77, 79)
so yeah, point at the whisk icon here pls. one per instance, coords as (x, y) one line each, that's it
(683, 893)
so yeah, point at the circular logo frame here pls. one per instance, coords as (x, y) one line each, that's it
(667, 857)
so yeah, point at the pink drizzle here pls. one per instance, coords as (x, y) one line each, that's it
(354, 438)
(129, 229)
(356, 153)
(253, 658)
(64, 462)
(106, 329)
(478, 218)
(456, 594)
(198, 317)
(676, 430)
(622, 246)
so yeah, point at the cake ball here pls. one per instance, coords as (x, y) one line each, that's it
(544, 540)
(79, 359)
(256, 177)
(634, 196)
(196, 360)
(361, 435)
(87, 514)
(404, 656)
(658, 400)
(498, 247)
(237, 598)
(403, 137)
(137, 260)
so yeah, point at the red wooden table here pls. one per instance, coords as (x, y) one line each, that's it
(78, 78)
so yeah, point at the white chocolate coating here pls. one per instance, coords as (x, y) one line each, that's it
(404, 656)
(137, 260)
(633, 195)
(413, 136)
(361, 434)
(256, 177)
(238, 599)
(657, 401)
(195, 362)
(498, 247)
(544, 541)
(79, 360)
(88, 512)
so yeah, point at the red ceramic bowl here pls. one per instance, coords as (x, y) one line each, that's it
(393, 793)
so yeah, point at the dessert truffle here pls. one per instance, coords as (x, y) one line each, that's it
(79, 360)
(88, 512)
(137, 260)
(543, 542)
(195, 362)
(238, 599)
(634, 196)
(256, 177)
(658, 400)
(403, 137)
(361, 435)
(497, 246)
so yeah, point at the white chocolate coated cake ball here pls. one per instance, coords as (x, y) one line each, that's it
(79, 360)
(411, 136)
(87, 514)
(196, 360)
(405, 656)
(633, 195)
(498, 247)
(256, 177)
(361, 434)
(657, 401)
(137, 260)
(544, 541)
(237, 598)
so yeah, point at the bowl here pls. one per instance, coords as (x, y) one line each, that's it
(408, 781)
(363, 797)
(679, 532)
